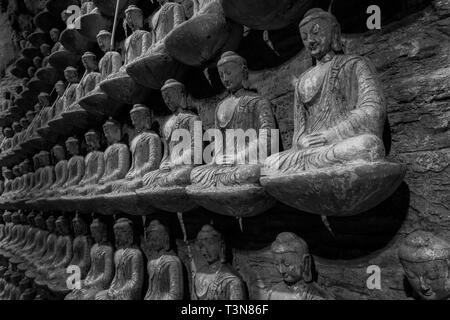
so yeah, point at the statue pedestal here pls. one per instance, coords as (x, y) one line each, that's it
(236, 201)
(98, 103)
(337, 191)
(121, 87)
(62, 59)
(172, 199)
(127, 202)
(92, 23)
(76, 116)
(48, 75)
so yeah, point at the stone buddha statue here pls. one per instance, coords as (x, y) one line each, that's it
(46, 252)
(129, 265)
(37, 62)
(37, 247)
(175, 169)
(27, 179)
(14, 235)
(294, 263)
(339, 114)
(24, 123)
(94, 164)
(15, 290)
(146, 152)
(425, 258)
(240, 167)
(7, 141)
(17, 181)
(60, 88)
(47, 176)
(63, 252)
(15, 245)
(57, 280)
(167, 17)
(164, 268)
(27, 241)
(37, 166)
(46, 50)
(46, 112)
(61, 170)
(17, 128)
(75, 165)
(101, 272)
(140, 40)
(8, 177)
(54, 35)
(216, 280)
(111, 61)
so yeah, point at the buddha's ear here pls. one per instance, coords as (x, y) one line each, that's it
(307, 268)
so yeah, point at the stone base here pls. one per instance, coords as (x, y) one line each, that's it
(31, 52)
(62, 59)
(76, 115)
(121, 87)
(237, 201)
(172, 199)
(48, 75)
(98, 103)
(126, 202)
(75, 42)
(337, 191)
(92, 23)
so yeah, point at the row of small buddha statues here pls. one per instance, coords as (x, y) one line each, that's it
(37, 251)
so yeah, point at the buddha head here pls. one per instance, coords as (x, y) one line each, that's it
(54, 34)
(112, 131)
(123, 232)
(30, 115)
(44, 158)
(426, 261)
(17, 172)
(233, 71)
(26, 168)
(23, 219)
(60, 87)
(211, 245)
(104, 40)
(8, 132)
(22, 44)
(79, 225)
(321, 33)
(141, 117)
(16, 218)
(72, 146)
(37, 108)
(58, 153)
(44, 99)
(157, 237)
(8, 174)
(50, 224)
(36, 162)
(292, 259)
(174, 95)
(92, 139)
(71, 74)
(16, 127)
(31, 71)
(134, 18)
(89, 61)
(31, 219)
(7, 216)
(62, 226)
(45, 49)
(39, 221)
(99, 231)
(37, 62)
(24, 123)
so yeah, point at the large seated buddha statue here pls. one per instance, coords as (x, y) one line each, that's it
(146, 153)
(165, 188)
(129, 266)
(337, 164)
(120, 86)
(97, 101)
(101, 271)
(156, 66)
(57, 280)
(230, 183)
(216, 279)
(425, 259)
(164, 268)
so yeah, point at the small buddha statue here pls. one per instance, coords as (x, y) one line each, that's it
(47, 176)
(54, 35)
(27, 179)
(129, 265)
(14, 235)
(425, 258)
(45, 51)
(146, 151)
(17, 243)
(8, 177)
(140, 40)
(294, 263)
(75, 165)
(217, 280)
(37, 62)
(175, 169)
(45, 254)
(57, 280)
(28, 239)
(101, 272)
(46, 111)
(7, 142)
(164, 268)
(16, 183)
(111, 61)
(60, 88)
(61, 170)
(24, 123)
(26, 290)
(37, 166)
(37, 248)
(339, 116)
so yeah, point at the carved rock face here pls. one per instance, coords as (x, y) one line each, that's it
(266, 14)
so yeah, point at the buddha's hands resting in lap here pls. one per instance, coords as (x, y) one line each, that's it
(166, 166)
(317, 139)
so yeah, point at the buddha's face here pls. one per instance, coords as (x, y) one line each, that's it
(31, 71)
(210, 247)
(44, 100)
(50, 223)
(24, 123)
(317, 37)
(124, 235)
(430, 280)
(174, 98)
(139, 119)
(134, 20)
(112, 133)
(37, 61)
(8, 133)
(16, 171)
(92, 142)
(37, 107)
(290, 265)
(232, 75)
(97, 231)
(58, 153)
(30, 116)
(60, 88)
(79, 227)
(156, 239)
(8, 174)
(104, 42)
(44, 159)
(54, 35)
(72, 147)
(90, 62)
(45, 50)
(39, 221)
(17, 127)
(71, 75)
(62, 227)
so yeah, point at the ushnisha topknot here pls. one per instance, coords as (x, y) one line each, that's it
(209, 230)
(422, 246)
(123, 222)
(91, 132)
(140, 108)
(133, 9)
(70, 68)
(231, 56)
(72, 140)
(317, 13)
(104, 33)
(172, 83)
(289, 242)
(111, 122)
(88, 54)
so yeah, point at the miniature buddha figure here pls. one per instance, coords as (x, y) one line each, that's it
(71, 75)
(17, 181)
(339, 119)
(146, 151)
(94, 164)
(244, 110)
(28, 179)
(111, 61)
(164, 267)
(47, 177)
(24, 123)
(294, 263)
(75, 165)
(37, 62)
(15, 290)
(45, 51)
(217, 280)
(37, 165)
(140, 40)
(47, 253)
(17, 130)
(8, 178)
(54, 35)
(61, 170)
(60, 88)
(29, 235)
(175, 169)
(4, 295)
(14, 234)
(169, 15)
(101, 272)
(129, 265)
(7, 142)
(90, 78)
(57, 280)
(425, 258)
(46, 109)
(63, 251)
(19, 230)
(37, 248)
